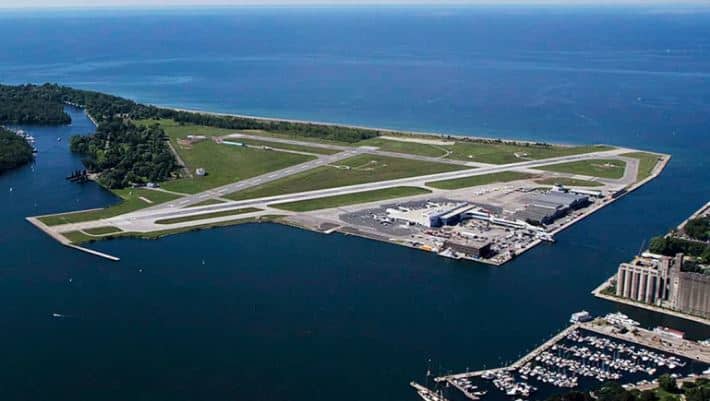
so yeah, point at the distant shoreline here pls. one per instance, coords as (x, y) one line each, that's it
(384, 130)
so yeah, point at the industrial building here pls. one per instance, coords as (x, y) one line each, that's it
(646, 279)
(660, 281)
(432, 216)
(690, 293)
(470, 247)
(546, 207)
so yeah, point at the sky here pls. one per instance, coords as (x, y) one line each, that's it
(184, 3)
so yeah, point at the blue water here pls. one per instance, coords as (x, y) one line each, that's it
(277, 313)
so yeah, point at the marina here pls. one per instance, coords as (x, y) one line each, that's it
(582, 357)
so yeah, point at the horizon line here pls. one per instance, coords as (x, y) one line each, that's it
(130, 5)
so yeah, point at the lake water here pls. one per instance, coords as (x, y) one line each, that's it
(266, 312)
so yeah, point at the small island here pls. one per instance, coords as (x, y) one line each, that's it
(483, 199)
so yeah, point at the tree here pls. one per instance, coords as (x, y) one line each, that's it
(571, 396)
(697, 394)
(666, 382)
(612, 391)
(698, 228)
(647, 395)
(14, 150)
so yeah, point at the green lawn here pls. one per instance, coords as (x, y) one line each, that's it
(413, 148)
(286, 146)
(571, 182)
(224, 164)
(302, 138)
(131, 202)
(207, 216)
(603, 168)
(350, 199)
(176, 131)
(77, 237)
(207, 202)
(647, 162)
(503, 153)
(102, 230)
(477, 180)
(355, 170)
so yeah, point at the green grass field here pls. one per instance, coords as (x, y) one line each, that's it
(207, 202)
(350, 199)
(131, 202)
(405, 147)
(78, 237)
(176, 131)
(227, 164)
(355, 170)
(647, 162)
(571, 182)
(102, 230)
(302, 138)
(477, 180)
(603, 168)
(224, 164)
(502, 153)
(207, 216)
(286, 146)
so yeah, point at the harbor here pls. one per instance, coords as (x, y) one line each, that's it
(581, 357)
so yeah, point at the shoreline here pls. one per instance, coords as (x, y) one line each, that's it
(598, 292)
(661, 163)
(407, 132)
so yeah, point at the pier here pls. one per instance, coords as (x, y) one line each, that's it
(426, 394)
(517, 364)
(62, 240)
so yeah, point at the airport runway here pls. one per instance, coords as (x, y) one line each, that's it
(144, 219)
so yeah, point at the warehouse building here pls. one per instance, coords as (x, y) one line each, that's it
(470, 247)
(546, 207)
(432, 216)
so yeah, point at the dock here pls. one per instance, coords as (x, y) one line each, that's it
(426, 394)
(517, 364)
(665, 352)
